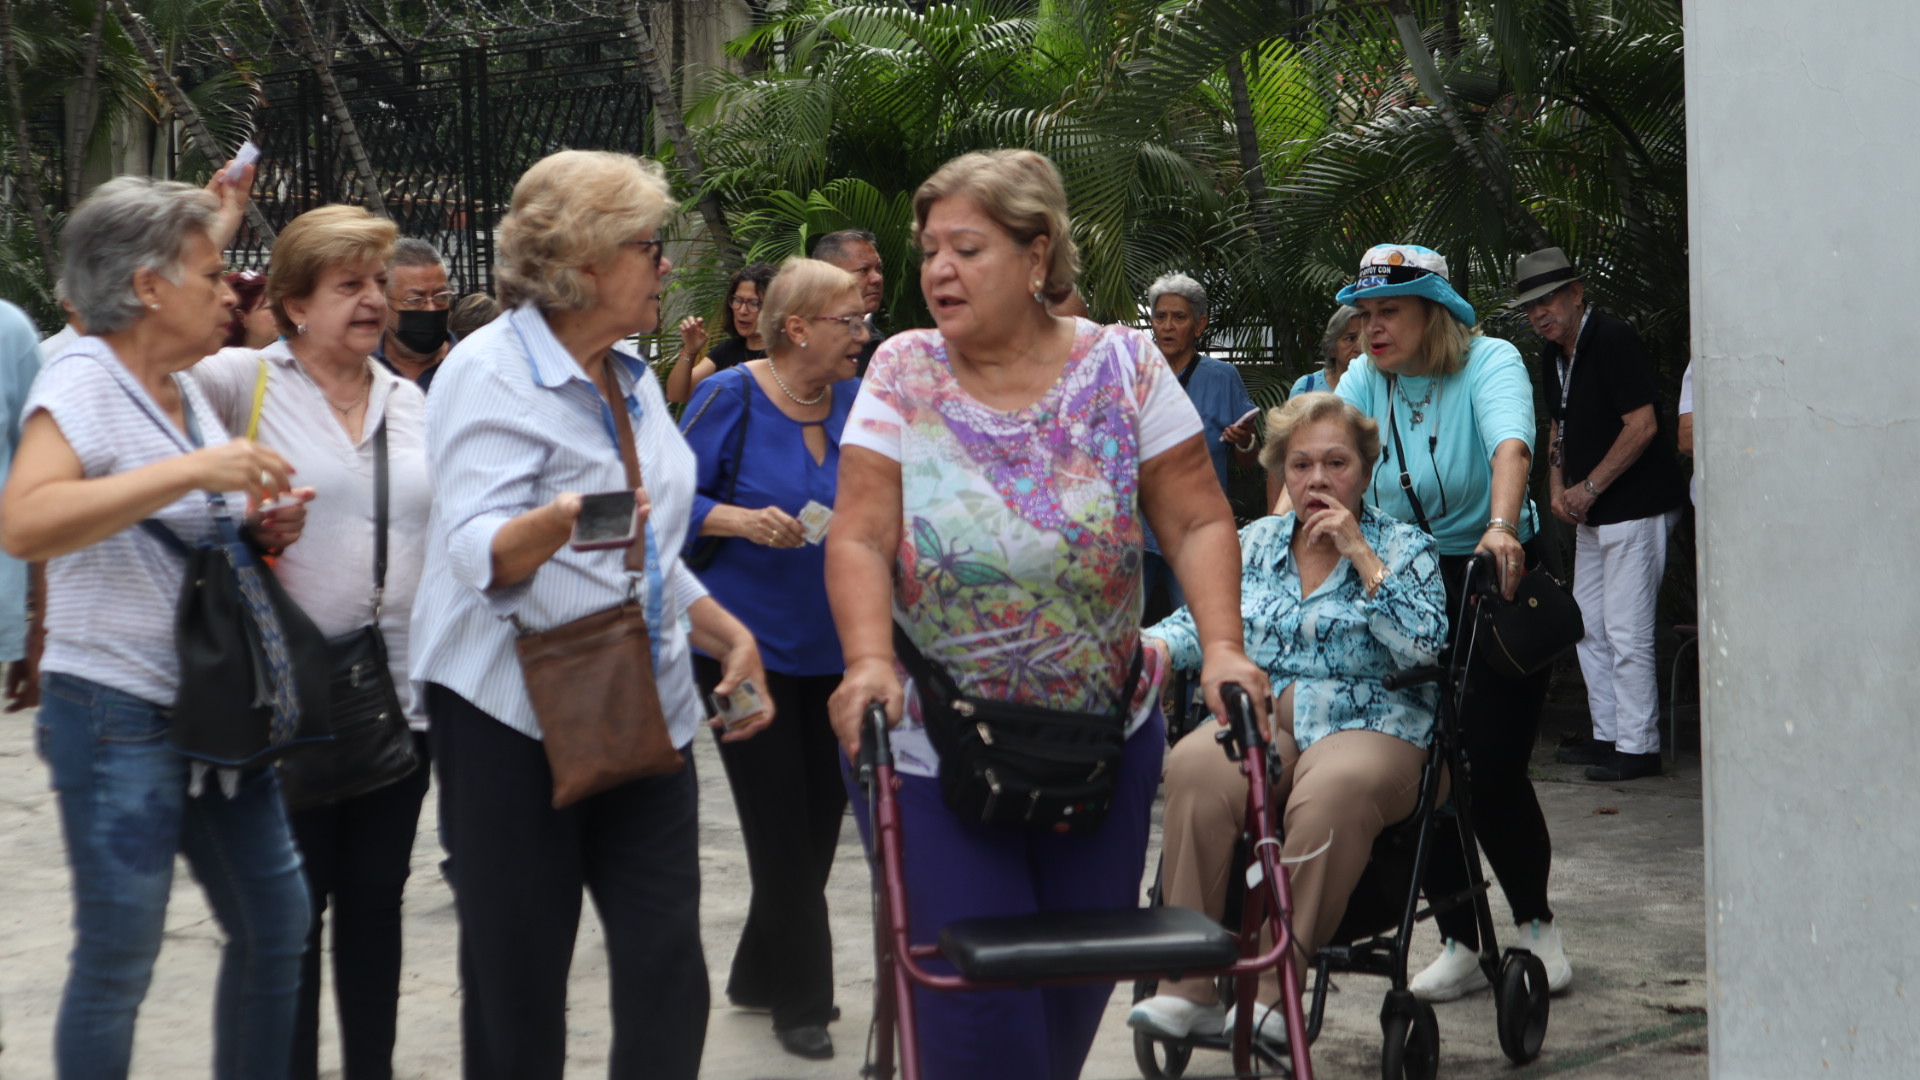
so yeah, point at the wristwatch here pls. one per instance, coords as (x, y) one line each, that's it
(1591, 490)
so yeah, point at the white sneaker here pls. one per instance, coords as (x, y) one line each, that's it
(1173, 1017)
(1269, 1024)
(1542, 939)
(1454, 974)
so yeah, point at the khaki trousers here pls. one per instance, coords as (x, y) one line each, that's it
(1340, 794)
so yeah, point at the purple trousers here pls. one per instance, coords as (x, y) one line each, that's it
(959, 869)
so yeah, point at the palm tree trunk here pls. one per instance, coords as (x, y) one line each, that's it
(1253, 176)
(667, 104)
(1427, 74)
(86, 95)
(23, 165)
(183, 109)
(317, 59)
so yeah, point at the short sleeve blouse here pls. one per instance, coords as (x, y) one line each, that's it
(1020, 545)
(1464, 417)
(111, 605)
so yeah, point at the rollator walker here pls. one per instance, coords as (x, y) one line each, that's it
(1064, 947)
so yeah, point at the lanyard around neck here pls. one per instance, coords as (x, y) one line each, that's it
(1565, 367)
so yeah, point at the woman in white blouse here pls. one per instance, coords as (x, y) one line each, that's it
(320, 402)
(518, 430)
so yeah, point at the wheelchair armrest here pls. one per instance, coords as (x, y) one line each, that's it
(1415, 676)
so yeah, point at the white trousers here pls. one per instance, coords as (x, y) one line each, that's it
(1617, 570)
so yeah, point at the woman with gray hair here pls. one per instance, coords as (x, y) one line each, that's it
(114, 437)
(520, 425)
(1338, 346)
(1179, 311)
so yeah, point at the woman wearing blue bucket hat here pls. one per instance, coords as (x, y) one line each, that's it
(1455, 410)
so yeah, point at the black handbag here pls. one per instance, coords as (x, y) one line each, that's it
(1520, 636)
(372, 746)
(1020, 766)
(700, 553)
(253, 674)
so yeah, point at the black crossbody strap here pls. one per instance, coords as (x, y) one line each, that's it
(1400, 456)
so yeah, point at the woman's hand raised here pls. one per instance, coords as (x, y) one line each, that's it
(241, 465)
(693, 337)
(1337, 524)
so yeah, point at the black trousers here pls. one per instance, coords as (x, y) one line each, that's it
(522, 867)
(357, 855)
(787, 788)
(1498, 726)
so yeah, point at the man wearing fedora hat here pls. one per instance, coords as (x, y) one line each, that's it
(1612, 475)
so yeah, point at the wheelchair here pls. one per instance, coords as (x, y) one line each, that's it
(1059, 947)
(1376, 930)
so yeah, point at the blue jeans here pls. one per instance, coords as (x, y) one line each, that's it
(125, 811)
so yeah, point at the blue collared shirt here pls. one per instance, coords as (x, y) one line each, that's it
(512, 424)
(1219, 395)
(1335, 645)
(19, 363)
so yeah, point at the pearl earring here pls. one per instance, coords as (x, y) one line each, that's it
(299, 328)
(155, 307)
(1038, 297)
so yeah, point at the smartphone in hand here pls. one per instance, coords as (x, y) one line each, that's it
(606, 520)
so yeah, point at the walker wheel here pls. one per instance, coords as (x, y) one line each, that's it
(1160, 1059)
(1411, 1047)
(1521, 1007)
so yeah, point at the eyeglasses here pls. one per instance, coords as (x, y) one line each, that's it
(855, 324)
(439, 301)
(744, 303)
(1538, 301)
(656, 248)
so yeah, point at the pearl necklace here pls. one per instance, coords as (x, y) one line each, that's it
(795, 398)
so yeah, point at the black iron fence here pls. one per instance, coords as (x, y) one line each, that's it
(447, 133)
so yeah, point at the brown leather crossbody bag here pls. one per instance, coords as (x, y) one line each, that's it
(591, 680)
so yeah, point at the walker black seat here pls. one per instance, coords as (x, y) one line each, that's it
(1073, 944)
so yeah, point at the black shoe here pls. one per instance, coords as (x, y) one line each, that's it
(1586, 751)
(1625, 767)
(810, 1041)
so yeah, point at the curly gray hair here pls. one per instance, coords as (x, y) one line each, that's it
(1179, 285)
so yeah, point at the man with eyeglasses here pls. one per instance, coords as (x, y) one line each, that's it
(857, 252)
(419, 303)
(1612, 475)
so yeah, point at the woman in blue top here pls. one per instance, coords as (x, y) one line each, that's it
(767, 436)
(1456, 410)
(1334, 597)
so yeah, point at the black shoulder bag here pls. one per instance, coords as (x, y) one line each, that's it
(700, 555)
(253, 667)
(1020, 766)
(371, 745)
(1524, 634)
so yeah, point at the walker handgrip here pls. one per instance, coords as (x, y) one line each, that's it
(1240, 716)
(874, 748)
(1414, 676)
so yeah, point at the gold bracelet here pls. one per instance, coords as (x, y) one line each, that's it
(1373, 583)
(1503, 525)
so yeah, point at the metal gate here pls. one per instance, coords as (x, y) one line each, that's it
(448, 133)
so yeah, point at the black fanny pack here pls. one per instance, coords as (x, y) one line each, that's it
(1020, 766)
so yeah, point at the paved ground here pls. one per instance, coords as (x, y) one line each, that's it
(1627, 890)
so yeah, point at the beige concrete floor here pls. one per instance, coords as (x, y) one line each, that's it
(1627, 889)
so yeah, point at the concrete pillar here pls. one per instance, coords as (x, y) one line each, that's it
(1803, 140)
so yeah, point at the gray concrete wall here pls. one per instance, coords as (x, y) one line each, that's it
(1804, 167)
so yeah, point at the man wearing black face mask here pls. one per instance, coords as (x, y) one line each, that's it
(418, 303)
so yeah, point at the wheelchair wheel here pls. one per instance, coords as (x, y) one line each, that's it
(1521, 1007)
(1159, 1059)
(1411, 1046)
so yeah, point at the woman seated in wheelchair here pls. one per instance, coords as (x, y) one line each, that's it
(1335, 595)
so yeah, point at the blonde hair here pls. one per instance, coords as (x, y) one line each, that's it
(571, 210)
(802, 287)
(1022, 193)
(318, 241)
(1444, 343)
(1303, 409)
